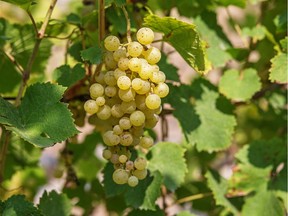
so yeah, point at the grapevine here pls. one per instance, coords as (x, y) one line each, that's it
(128, 97)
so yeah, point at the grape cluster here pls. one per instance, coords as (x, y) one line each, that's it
(128, 98)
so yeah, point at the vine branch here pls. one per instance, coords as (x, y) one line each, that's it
(33, 22)
(13, 60)
(128, 24)
(39, 37)
(101, 20)
(193, 197)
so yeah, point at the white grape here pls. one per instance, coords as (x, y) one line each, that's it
(145, 36)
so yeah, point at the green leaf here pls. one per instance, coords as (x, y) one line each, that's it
(169, 69)
(41, 119)
(17, 205)
(183, 37)
(255, 164)
(278, 70)
(173, 173)
(93, 55)
(240, 86)
(67, 76)
(25, 4)
(74, 19)
(262, 204)
(54, 204)
(219, 187)
(152, 192)
(213, 125)
(217, 41)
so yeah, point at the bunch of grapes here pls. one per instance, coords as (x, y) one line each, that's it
(128, 98)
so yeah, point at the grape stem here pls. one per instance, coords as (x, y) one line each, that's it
(128, 24)
(5, 137)
(101, 21)
(193, 197)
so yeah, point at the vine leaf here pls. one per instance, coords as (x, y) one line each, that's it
(66, 76)
(183, 37)
(185, 213)
(218, 44)
(208, 122)
(17, 205)
(173, 173)
(240, 86)
(41, 119)
(261, 168)
(60, 203)
(93, 54)
(219, 187)
(264, 203)
(279, 68)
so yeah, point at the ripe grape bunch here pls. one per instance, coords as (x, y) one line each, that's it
(128, 98)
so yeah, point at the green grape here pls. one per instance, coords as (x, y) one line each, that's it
(114, 159)
(123, 64)
(100, 78)
(137, 83)
(125, 123)
(134, 49)
(140, 174)
(116, 111)
(111, 43)
(117, 130)
(146, 142)
(126, 139)
(110, 91)
(140, 102)
(96, 90)
(110, 79)
(100, 101)
(158, 77)
(107, 137)
(145, 71)
(91, 107)
(145, 88)
(118, 73)
(120, 176)
(134, 64)
(124, 82)
(123, 159)
(129, 165)
(133, 181)
(161, 90)
(152, 55)
(109, 61)
(140, 163)
(127, 95)
(107, 154)
(137, 131)
(137, 118)
(153, 101)
(104, 112)
(145, 36)
(128, 107)
(152, 122)
(136, 140)
(119, 53)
